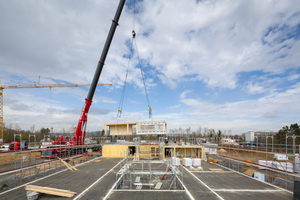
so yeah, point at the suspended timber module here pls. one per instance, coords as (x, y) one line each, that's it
(137, 128)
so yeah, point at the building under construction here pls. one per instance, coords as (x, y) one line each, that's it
(183, 169)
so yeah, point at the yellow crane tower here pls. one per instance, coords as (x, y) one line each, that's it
(2, 87)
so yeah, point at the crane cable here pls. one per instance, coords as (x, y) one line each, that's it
(131, 49)
(123, 91)
(147, 97)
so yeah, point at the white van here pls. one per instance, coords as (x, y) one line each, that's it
(4, 148)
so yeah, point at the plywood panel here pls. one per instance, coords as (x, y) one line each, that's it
(118, 130)
(114, 151)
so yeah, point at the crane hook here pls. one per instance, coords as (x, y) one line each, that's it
(133, 34)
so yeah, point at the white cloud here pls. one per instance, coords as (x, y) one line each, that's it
(175, 107)
(183, 94)
(216, 40)
(293, 77)
(255, 88)
(249, 111)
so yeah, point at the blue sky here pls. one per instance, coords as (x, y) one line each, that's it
(228, 65)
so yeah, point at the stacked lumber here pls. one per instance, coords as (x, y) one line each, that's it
(48, 190)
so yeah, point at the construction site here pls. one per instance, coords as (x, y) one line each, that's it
(171, 167)
(141, 159)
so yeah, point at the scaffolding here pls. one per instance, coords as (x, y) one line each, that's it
(148, 175)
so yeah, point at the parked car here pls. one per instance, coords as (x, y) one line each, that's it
(4, 148)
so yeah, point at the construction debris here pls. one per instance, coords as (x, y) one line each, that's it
(249, 172)
(68, 165)
(32, 195)
(48, 190)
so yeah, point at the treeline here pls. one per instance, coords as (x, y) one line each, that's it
(294, 129)
(13, 133)
(209, 134)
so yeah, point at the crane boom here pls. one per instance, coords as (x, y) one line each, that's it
(81, 127)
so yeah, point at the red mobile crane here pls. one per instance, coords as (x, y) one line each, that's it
(78, 139)
(79, 136)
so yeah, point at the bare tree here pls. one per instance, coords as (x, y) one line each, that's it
(32, 128)
(72, 129)
(199, 134)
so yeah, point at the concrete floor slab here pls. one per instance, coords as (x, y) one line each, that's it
(205, 165)
(255, 195)
(155, 195)
(231, 181)
(196, 188)
(75, 181)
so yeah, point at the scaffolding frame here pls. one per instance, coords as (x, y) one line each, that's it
(143, 175)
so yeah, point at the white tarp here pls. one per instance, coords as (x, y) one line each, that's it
(285, 166)
(206, 150)
(175, 161)
(259, 176)
(281, 157)
(187, 162)
(196, 162)
(297, 162)
(212, 151)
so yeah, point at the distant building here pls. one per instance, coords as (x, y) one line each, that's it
(249, 136)
(227, 140)
(265, 133)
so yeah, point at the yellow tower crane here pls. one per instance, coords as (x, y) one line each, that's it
(2, 87)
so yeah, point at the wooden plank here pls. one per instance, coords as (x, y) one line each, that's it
(52, 191)
(97, 161)
(215, 169)
(49, 188)
(67, 164)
